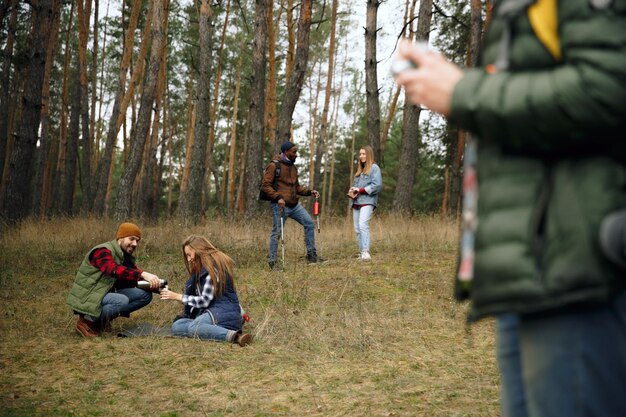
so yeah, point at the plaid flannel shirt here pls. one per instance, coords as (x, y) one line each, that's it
(203, 300)
(126, 275)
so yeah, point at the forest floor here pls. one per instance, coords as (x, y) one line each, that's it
(348, 338)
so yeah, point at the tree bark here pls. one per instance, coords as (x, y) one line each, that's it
(191, 201)
(83, 14)
(150, 177)
(38, 203)
(411, 141)
(232, 160)
(271, 107)
(140, 129)
(5, 92)
(104, 164)
(17, 198)
(254, 168)
(61, 166)
(291, 40)
(294, 84)
(371, 78)
(213, 115)
(321, 138)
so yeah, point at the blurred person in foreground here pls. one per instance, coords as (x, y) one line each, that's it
(283, 191)
(548, 108)
(211, 306)
(105, 286)
(366, 185)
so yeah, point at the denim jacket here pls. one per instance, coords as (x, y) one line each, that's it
(372, 182)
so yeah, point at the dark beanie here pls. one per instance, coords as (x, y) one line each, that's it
(286, 146)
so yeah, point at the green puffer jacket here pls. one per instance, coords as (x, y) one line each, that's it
(91, 285)
(551, 159)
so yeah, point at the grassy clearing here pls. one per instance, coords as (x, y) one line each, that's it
(383, 338)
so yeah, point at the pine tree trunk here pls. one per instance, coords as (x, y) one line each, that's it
(71, 158)
(61, 168)
(191, 123)
(5, 95)
(94, 86)
(104, 164)
(213, 114)
(140, 129)
(291, 40)
(371, 78)
(191, 201)
(294, 83)
(313, 123)
(411, 140)
(17, 198)
(254, 168)
(232, 165)
(339, 90)
(321, 138)
(83, 33)
(351, 158)
(38, 207)
(270, 108)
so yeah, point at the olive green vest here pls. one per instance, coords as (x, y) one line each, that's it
(91, 284)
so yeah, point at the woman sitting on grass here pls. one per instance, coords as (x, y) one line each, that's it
(212, 309)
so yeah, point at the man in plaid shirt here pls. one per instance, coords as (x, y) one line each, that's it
(105, 286)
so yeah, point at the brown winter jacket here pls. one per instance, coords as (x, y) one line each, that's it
(287, 186)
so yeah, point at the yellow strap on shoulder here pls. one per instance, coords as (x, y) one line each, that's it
(543, 18)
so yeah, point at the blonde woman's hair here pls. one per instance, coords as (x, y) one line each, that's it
(217, 263)
(369, 161)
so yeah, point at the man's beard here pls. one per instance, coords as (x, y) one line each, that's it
(128, 249)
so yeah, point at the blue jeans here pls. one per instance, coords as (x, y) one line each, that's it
(299, 214)
(512, 399)
(361, 218)
(572, 363)
(201, 327)
(123, 302)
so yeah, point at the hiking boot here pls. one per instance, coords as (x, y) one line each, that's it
(243, 339)
(87, 328)
(312, 258)
(272, 265)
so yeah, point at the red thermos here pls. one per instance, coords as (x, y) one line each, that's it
(316, 208)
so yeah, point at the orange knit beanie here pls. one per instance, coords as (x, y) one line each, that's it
(128, 229)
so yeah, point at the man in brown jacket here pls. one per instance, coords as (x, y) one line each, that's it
(283, 190)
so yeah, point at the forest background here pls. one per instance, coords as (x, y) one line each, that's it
(167, 112)
(152, 108)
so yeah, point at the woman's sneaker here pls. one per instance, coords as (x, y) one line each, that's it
(365, 256)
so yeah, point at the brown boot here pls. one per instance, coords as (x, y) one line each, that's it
(87, 328)
(243, 339)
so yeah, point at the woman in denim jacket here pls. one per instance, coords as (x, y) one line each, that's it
(367, 184)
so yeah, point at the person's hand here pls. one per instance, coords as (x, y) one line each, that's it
(315, 193)
(353, 192)
(155, 282)
(281, 203)
(432, 82)
(170, 295)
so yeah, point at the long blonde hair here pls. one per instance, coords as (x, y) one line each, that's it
(212, 259)
(369, 161)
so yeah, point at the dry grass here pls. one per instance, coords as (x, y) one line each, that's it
(383, 338)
